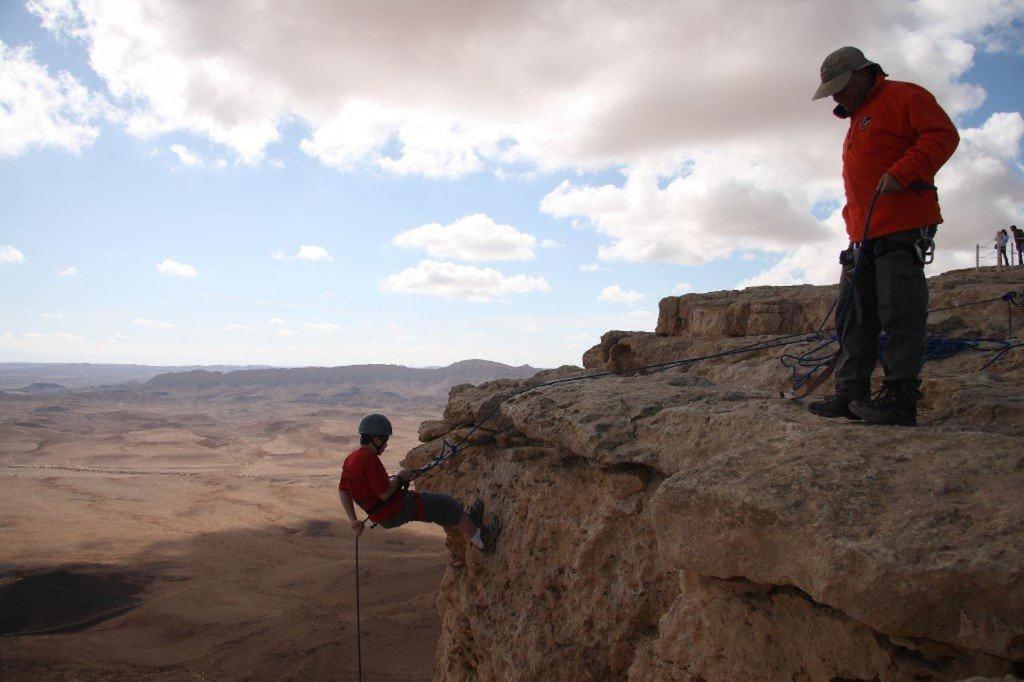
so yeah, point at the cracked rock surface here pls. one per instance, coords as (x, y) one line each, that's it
(689, 524)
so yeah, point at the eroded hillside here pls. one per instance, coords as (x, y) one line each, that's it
(690, 524)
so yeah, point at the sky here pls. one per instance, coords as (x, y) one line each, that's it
(332, 183)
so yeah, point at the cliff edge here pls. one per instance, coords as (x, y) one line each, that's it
(689, 524)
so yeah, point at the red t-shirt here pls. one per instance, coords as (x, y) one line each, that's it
(366, 479)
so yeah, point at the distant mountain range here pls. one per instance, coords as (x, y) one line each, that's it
(76, 375)
(348, 384)
(359, 376)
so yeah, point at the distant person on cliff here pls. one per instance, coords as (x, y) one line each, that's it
(1002, 239)
(897, 140)
(388, 502)
(1018, 240)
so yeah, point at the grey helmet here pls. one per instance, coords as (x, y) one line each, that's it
(375, 425)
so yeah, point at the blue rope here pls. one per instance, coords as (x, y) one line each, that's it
(937, 346)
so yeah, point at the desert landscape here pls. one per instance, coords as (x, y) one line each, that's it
(679, 524)
(709, 314)
(161, 529)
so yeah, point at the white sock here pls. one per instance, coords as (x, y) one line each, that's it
(477, 540)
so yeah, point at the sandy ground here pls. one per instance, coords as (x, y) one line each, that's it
(224, 519)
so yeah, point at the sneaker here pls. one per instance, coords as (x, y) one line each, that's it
(891, 404)
(489, 535)
(837, 405)
(476, 513)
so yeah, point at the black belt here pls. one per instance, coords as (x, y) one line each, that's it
(922, 248)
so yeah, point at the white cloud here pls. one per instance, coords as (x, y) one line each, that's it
(7, 336)
(615, 294)
(237, 328)
(642, 313)
(682, 288)
(278, 254)
(277, 322)
(551, 244)
(118, 338)
(319, 328)
(185, 156)
(143, 322)
(313, 253)
(531, 328)
(720, 160)
(978, 187)
(444, 105)
(451, 281)
(706, 212)
(284, 333)
(9, 254)
(69, 271)
(175, 269)
(192, 160)
(39, 110)
(590, 267)
(53, 316)
(63, 337)
(472, 238)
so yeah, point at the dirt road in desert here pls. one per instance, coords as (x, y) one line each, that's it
(223, 519)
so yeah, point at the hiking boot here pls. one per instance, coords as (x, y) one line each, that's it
(476, 513)
(837, 405)
(489, 534)
(891, 404)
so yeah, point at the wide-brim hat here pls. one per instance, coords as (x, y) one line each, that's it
(837, 70)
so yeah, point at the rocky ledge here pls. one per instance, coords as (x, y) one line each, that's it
(690, 524)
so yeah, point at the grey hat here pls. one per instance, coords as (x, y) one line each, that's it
(375, 424)
(837, 70)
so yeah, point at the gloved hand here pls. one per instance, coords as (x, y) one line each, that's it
(887, 184)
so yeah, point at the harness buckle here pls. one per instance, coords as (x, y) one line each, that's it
(924, 246)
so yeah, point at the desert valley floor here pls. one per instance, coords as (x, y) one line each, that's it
(223, 513)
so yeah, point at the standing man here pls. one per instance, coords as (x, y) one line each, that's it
(1018, 240)
(388, 502)
(897, 140)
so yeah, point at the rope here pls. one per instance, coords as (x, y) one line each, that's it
(819, 367)
(359, 630)
(449, 450)
(937, 347)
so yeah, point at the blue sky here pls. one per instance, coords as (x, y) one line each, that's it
(602, 190)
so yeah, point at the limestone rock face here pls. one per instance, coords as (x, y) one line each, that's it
(690, 525)
(792, 310)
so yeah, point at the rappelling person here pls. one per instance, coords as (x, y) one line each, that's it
(897, 140)
(389, 503)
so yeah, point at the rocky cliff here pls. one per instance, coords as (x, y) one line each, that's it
(689, 524)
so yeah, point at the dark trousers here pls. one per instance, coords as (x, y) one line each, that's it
(891, 294)
(1020, 253)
